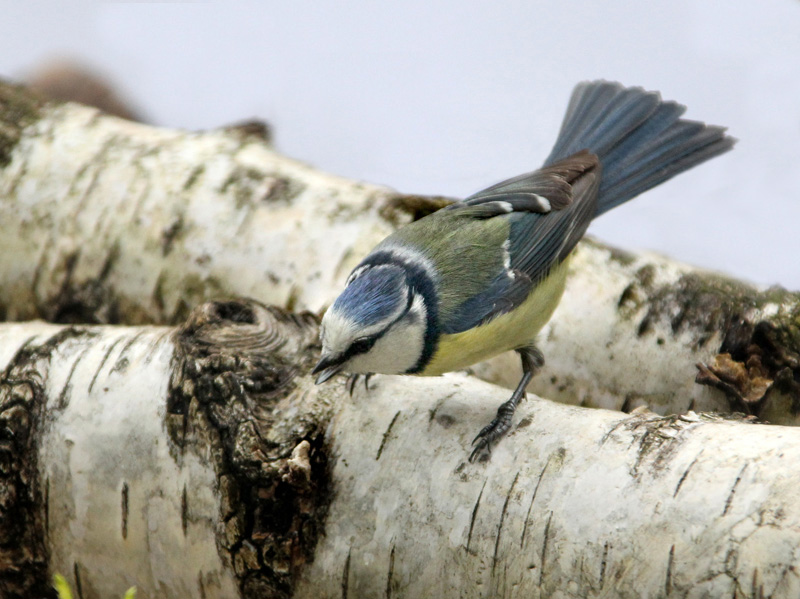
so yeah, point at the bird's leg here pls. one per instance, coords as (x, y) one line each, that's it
(352, 380)
(532, 361)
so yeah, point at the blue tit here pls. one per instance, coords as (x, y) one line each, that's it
(482, 276)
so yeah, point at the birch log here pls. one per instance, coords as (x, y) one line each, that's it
(104, 220)
(203, 462)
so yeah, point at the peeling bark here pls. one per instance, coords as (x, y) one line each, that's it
(203, 462)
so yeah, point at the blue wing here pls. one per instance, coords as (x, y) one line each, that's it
(549, 210)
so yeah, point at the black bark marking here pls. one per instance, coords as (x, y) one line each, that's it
(184, 511)
(500, 525)
(603, 564)
(20, 355)
(70, 262)
(144, 194)
(474, 513)
(155, 346)
(40, 267)
(530, 505)
(686, 473)
(544, 547)
(125, 349)
(733, 491)
(63, 396)
(21, 109)
(755, 591)
(170, 233)
(193, 177)
(386, 436)
(612, 430)
(103, 362)
(26, 517)
(94, 167)
(390, 576)
(346, 574)
(670, 562)
(201, 585)
(438, 405)
(111, 260)
(124, 509)
(78, 586)
(47, 506)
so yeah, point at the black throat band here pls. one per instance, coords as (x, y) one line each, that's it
(421, 283)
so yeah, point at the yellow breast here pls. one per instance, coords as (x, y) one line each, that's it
(508, 331)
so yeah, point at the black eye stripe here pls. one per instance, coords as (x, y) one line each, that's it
(421, 283)
(364, 344)
(360, 346)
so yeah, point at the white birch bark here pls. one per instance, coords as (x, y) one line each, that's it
(163, 457)
(113, 491)
(110, 221)
(575, 503)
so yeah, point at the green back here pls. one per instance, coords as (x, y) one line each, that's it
(467, 251)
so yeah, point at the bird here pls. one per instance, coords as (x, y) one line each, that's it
(482, 276)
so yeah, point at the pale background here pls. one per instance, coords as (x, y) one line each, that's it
(448, 97)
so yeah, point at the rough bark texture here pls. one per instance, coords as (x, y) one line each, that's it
(235, 385)
(19, 109)
(189, 462)
(640, 330)
(203, 462)
(575, 503)
(23, 521)
(110, 221)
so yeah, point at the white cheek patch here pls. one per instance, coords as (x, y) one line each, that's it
(399, 349)
(337, 332)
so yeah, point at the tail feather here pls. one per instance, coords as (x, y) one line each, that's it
(641, 141)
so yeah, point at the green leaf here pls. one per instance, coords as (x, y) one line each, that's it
(61, 586)
(130, 593)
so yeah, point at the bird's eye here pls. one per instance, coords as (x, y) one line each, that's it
(362, 345)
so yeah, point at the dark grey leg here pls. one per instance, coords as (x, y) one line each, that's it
(352, 380)
(532, 361)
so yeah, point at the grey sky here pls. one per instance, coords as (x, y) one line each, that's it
(448, 97)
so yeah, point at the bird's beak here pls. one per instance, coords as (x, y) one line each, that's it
(326, 368)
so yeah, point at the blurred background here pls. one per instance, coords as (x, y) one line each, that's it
(449, 97)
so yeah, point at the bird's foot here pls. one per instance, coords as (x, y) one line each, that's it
(352, 381)
(494, 430)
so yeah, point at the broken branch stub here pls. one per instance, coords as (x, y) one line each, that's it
(241, 372)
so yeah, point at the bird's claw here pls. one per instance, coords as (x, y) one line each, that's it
(483, 442)
(352, 381)
(492, 431)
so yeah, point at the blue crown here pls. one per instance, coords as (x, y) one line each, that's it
(373, 296)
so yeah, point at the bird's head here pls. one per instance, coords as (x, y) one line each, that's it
(377, 325)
